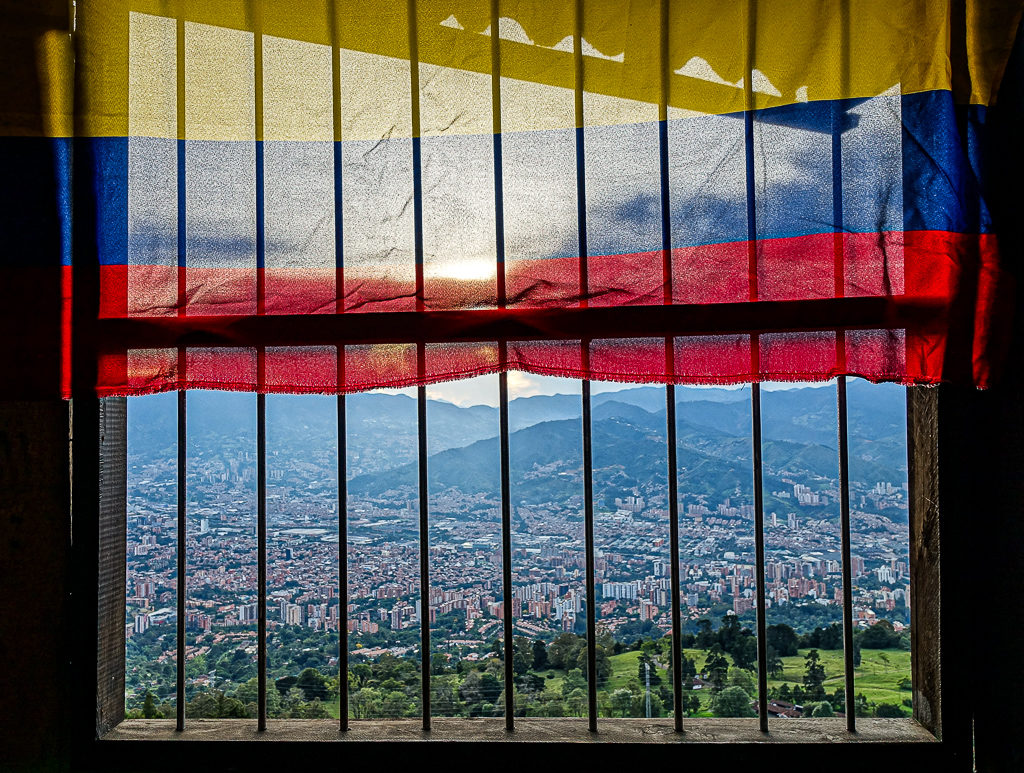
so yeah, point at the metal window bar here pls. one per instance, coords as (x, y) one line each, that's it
(588, 460)
(421, 392)
(261, 398)
(762, 644)
(839, 257)
(588, 528)
(181, 561)
(339, 290)
(503, 429)
(670, 390)
(844, 525)
(755, 355)
(181, 418)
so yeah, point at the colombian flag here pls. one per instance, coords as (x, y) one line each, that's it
(799, 189)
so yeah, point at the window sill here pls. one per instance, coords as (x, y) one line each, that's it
(532, 730)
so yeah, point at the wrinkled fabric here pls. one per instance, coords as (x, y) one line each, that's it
(265, 159)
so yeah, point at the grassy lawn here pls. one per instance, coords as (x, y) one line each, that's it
(554, 684)
(877, 677)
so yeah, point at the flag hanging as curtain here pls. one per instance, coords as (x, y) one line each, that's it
(333, 196)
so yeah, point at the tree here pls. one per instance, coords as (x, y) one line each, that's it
(576, 702)
(604, 665)
(540, 654)
(573, 681)
(716, 668)
(359, 675)
(642, 663)
(365, 703)
(775, 665)
(861, 706)
(732, 702)
(814, 676)
(729, 632)
(691, 702)
(689, 670)
(880, 636)
(705, 636)
(744, 650)
(782, 639)
(312, 684)
(742, 678)
(311, 710)
(397, 704)
(889, 710)
(149, 710)
(621, 701)
(522, 657)
(438, 663)
(563, 650)
(823, 709)
(285, 683)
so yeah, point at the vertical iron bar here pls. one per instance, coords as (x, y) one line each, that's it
(670, 390)
(182, 420)
(506, 553)
(417, 214)
(762, 644)
(588, 461)
(342, 559)
(261, 398)
(839, 259)
(180, 148)
(339, 291)
(588, 525)
(581, 165)
(261, 547)
(844, 518)
(673, 516)
(421, 404)
(755, 360)
(499, 196)
(506, 496)
(417, 157)
(182, 501)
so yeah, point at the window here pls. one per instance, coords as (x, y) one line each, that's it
(631, 544)
(532, 729)
(180, 320)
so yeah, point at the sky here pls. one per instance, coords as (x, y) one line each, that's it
(483, 390)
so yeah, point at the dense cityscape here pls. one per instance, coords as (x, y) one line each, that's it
(803, 585)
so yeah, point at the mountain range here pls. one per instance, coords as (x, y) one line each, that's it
(629, 430)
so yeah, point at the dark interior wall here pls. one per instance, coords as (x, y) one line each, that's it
(34, 602)
(994, 478)
(35, 522)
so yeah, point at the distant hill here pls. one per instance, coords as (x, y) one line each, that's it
(713, 427)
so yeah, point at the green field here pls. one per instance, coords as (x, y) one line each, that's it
(877, 677)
